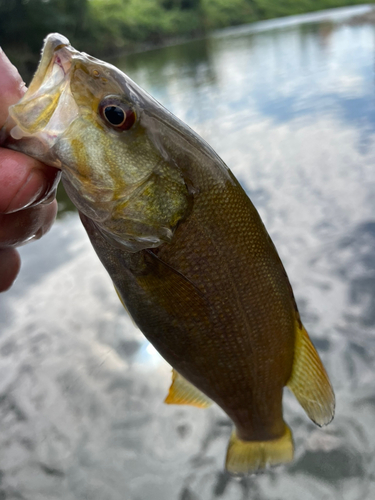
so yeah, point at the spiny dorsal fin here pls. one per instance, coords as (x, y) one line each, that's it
(183, 392)
(309, 381)
(247, 457)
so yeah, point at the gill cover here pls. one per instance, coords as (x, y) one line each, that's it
(86, 117)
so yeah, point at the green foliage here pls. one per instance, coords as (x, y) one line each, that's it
(103, 27)
(25, 23)
(221, 13)
(278, 8)
(180, 4)
(131, 21)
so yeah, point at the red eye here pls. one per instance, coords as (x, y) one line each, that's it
(117, 114)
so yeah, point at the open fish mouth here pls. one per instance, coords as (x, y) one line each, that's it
(56, 56)
(47, 107)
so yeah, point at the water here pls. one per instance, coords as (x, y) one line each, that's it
(289, 105)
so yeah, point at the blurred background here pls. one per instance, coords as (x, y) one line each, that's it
(105, 28)
(286, 96)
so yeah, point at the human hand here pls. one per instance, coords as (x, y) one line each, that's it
(27, 187)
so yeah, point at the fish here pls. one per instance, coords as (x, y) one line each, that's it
(187, 251)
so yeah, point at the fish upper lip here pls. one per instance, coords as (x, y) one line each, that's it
(58, 50)
(50, 79)
(55, 41)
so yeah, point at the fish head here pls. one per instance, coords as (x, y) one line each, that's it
(92, 121)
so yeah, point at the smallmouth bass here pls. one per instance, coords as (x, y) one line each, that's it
(187, 251)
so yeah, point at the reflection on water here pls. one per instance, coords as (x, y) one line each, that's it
(289, 105)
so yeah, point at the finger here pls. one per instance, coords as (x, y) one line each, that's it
(32, 223)
(24, 181)
(12, 87)
(10, 264)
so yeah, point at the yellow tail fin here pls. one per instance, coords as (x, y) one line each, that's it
(246, 457)
(309, 381)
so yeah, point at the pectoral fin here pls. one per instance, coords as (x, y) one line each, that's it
(309, 381)
(183, 392)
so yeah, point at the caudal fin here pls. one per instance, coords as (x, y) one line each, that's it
(246, 457)
(309, 381)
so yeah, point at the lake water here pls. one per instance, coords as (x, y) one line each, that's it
(290, 107)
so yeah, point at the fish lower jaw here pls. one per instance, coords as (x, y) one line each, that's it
(38, 146)
(18, 133)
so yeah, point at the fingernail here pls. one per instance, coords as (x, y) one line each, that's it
(49, 198)
(34, 237)
(50, 193)
(22, 198)
(38, 234)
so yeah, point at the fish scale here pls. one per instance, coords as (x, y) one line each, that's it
(240, 317)
(186, 249)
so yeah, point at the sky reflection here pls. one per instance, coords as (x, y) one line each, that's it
(290, 109)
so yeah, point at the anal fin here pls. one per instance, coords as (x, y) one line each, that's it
(183, 392)
(247, 457)
(309, 381)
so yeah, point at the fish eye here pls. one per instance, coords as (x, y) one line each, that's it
(117, 114)
(114, 115)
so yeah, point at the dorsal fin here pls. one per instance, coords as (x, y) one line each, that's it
(182, 392)
(309, 381)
